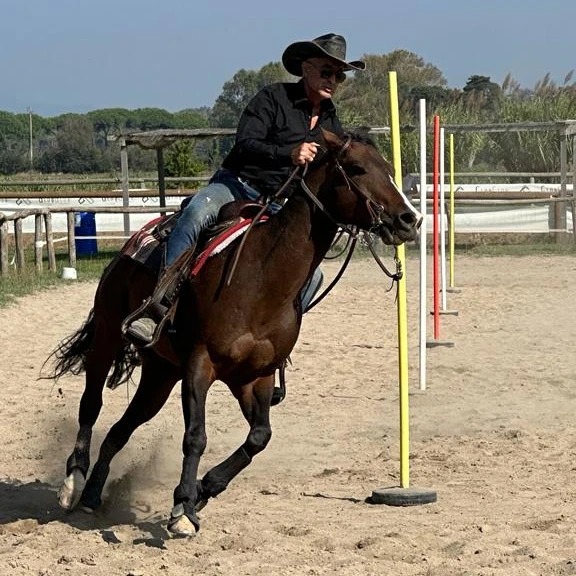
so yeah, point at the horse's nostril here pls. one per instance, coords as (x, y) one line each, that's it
(410, 220)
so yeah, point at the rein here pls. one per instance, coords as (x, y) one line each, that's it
(374, 209)
(255, 221)
(336, 278)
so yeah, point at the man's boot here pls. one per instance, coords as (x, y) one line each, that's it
(144, 326)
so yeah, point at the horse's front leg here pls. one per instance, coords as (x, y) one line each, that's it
(255, 400)
(195, 385)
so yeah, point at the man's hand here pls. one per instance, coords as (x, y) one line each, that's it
(304, 153)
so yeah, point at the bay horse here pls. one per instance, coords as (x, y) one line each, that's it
(238, 331)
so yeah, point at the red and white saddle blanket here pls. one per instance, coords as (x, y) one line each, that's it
(146, 245)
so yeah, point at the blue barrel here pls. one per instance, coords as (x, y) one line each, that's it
(85, 225)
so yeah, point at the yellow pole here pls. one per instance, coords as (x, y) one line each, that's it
(401, 306)
(452, 214)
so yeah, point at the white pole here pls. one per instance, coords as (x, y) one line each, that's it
(423, 240)
(443, 284)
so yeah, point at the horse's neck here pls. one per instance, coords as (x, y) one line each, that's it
(306, 232)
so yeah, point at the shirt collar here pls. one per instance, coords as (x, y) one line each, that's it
(301, 100)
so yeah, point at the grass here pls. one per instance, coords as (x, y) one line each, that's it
(521, 250)
(14, 285)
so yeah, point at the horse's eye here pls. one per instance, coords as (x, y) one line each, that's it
(355, 170)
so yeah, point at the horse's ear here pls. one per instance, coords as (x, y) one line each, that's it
(331, 141)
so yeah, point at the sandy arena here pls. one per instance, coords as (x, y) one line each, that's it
(493, 434)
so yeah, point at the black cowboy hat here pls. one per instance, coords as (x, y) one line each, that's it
(331, 46)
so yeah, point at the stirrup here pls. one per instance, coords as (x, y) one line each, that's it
(161, 305)
(157, 312)
(279, 392)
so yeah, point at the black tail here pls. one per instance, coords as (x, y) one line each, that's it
(69, 357)
(70, 354)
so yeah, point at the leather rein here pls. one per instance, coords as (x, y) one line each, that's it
(374, 209)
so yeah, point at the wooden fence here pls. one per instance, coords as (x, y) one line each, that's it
(44, 236)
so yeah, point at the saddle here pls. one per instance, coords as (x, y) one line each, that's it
(147, 245)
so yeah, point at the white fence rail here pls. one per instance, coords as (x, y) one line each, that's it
(481, 215)
(479, 208)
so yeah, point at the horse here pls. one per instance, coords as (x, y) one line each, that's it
(238, 328)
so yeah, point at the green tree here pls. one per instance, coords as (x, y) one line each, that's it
(12, 158)
(364, 98)
(14, 134)
(191, 118)
(13, 125)
(150, 119)
(181, 160)
(108, 121)
(237, 93)
(480, 92)
(435, 97)
(73, 150)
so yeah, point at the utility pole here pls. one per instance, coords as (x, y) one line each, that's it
(31, 142)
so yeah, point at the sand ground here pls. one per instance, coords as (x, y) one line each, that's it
(493, 434)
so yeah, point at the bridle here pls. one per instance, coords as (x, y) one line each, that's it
(374, 209)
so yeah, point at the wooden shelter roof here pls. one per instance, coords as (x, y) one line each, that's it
(161, 138)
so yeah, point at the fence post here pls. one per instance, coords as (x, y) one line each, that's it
(19, 240)
(3, 247)
(50, 242)
(71, 239)
(560, 208)
(125, 183)
(38, 242)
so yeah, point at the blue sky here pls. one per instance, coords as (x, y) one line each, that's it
(75, 56)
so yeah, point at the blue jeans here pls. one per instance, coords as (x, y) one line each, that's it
(201, 211)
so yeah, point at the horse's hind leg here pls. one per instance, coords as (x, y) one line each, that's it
(156, 382)
(254, 400)
(99, 359)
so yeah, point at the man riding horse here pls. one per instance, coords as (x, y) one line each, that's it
(237, 328)
(278, 130)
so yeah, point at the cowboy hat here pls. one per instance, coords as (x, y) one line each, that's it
(331, 46)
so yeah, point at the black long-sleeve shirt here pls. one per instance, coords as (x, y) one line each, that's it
(275, 121)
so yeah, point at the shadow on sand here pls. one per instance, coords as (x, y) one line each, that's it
(38, 502)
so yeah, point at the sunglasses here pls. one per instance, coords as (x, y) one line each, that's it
(327, 73)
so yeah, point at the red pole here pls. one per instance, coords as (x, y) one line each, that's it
(435, 232)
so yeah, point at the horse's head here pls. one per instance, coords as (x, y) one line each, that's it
(363, 192)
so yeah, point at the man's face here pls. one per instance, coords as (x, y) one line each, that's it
(322, 76)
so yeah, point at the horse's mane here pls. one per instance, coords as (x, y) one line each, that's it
(362, 137)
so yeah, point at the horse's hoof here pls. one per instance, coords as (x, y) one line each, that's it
(180, 525)
(200, 504)
(181, 528)
(90, 502)
(71, 491)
